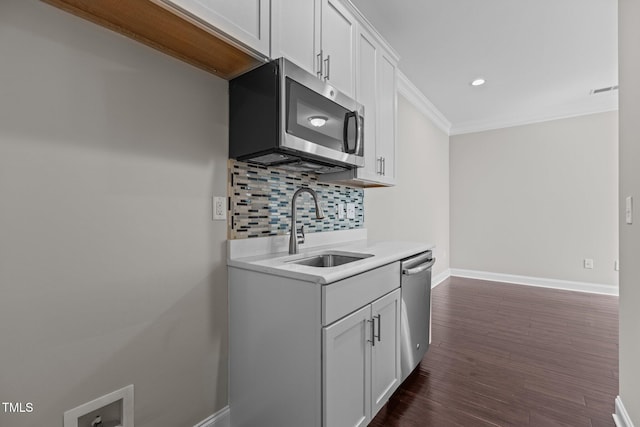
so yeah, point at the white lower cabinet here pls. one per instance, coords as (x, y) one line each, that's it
(361, 362)
(385, 354)
(305, 354)
(347, 371)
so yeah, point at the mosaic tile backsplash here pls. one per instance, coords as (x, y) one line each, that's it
(260, 202)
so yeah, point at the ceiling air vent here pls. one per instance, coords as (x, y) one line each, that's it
(603, 89)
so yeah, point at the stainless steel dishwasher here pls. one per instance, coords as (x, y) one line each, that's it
(415, 325)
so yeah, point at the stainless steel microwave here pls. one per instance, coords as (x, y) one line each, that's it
(281, 115)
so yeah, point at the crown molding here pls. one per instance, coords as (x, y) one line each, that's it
(603, 105)
(363, 21)
(422, 103)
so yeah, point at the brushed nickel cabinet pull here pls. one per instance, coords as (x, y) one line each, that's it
(379, 317)
(373, 336)
(319, 57)
(327, 63)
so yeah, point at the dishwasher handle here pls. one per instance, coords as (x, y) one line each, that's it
(419, 269)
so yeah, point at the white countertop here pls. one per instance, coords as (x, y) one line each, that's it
(279, 263)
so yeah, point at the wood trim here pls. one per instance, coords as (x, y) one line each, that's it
(166, 30)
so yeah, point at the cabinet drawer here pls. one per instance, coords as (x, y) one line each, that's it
(348, 295)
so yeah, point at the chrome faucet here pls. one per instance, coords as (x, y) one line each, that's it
(293, 238)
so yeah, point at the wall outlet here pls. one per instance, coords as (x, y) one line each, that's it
(341, 211)
(351, 210)
(219, 208)
(114, 409)
(588, 263)
(629, 210)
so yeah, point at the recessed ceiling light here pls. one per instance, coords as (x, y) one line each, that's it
(318, 121)
(478, 82)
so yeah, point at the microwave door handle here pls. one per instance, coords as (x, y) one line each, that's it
(345, 131)
(359, 125)
(345, 135)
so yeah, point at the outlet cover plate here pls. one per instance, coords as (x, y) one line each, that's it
(125, 394)
(219, 208)
(351, 210)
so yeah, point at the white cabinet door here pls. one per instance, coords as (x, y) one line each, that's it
(367, 85)
(338, 46)
(346, 370)
(319, 36)
(376, 90)
(385, 354)
(295, 32)
(386, 136)
(246, 21)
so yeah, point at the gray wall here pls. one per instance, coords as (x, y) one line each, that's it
(629, 34)
(417, 208)
(111, 270)
(536, 200)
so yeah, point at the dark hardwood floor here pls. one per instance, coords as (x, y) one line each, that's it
(512, 355)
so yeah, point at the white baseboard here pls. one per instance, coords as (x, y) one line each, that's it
(219, 419)
(436, 280)
(621, 417)
(568, 285)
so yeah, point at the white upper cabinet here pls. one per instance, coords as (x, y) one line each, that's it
(376, 90)
(338, 46)
(295, 33)
(330, 39)
(367, 86)
(319, 36)
(386, 137)
(245, 21)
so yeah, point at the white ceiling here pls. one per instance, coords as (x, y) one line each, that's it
(540, 58)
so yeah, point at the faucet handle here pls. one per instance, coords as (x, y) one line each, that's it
(301, 232)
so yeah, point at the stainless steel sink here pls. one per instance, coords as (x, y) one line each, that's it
(330, 259)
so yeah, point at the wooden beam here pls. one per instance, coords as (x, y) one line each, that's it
(169, 31)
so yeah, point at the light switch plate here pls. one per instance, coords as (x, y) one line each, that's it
(588, 263)
(629, 210)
